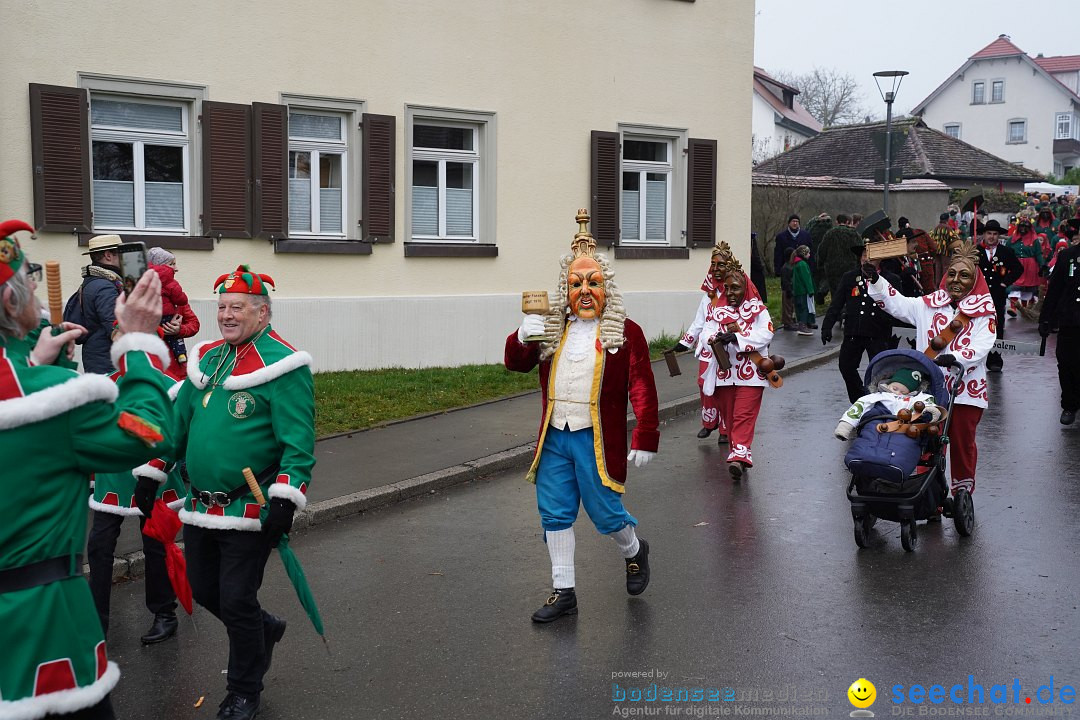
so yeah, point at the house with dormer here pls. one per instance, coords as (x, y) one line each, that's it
(1021, 108)
(779, 121)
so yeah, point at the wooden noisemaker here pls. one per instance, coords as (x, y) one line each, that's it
(770, 365)
(253, 485)
(56, 297)
(939, 343)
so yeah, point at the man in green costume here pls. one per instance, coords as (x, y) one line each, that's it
(248, 402)
(57, 427)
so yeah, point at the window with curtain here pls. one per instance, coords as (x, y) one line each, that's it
(997, 91)
(1017, 131)
(953, 130)
(1064, 127)
(978, 93)
(318, 162)
(445, 168)
(139, 156)
(646, 190)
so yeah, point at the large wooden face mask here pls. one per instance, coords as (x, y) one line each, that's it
(734, 289)
(585, 284)
(959, 279)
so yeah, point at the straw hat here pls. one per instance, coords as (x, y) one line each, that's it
(100, 243)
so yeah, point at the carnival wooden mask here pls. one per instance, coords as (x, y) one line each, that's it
(734, 289)
(585, 287)
(959, 279)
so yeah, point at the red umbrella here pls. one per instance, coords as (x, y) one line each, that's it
(163, 525)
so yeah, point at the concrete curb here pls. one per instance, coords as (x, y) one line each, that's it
(132, 565)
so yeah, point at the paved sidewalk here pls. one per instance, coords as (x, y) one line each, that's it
(366, 469)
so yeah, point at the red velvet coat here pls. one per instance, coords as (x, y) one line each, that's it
(625, 375)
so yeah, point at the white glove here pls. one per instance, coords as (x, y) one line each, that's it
(640, 458)
(531, 325)
(844, 430)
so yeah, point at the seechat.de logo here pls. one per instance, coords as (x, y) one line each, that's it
(862, 695)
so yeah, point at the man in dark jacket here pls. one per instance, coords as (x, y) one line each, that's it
(93, 305)
(787, 240)
(1001, 269)
(1061, 307)
(867, 328)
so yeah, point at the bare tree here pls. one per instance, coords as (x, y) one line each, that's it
(774, 197)
(829, 95)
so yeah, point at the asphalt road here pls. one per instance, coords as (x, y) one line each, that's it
(757, 587)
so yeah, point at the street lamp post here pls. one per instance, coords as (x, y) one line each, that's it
(893, 78)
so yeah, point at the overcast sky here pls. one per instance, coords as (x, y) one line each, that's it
(928, 38)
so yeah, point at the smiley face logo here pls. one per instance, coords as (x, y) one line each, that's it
(862, 693)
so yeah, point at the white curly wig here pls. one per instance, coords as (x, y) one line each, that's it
(612, 319)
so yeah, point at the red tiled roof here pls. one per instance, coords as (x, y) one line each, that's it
(1002, 47)
(1059, 63)
(759, 72)
(797, 113)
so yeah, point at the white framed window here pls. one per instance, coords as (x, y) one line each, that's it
(323, 166)
(952, 130)
(978, 92)
(144, 150)
(997, 91)
(1059, 169)
(1017, 132)
(653, 189)
(1064, 126)
(318, 173)
(451, 175)
(140, 159)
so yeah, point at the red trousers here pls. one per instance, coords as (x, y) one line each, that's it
(710, 404)
(963, 452)
(739, 406)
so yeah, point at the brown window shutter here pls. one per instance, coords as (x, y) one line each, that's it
(226, 129)
(605, 187)
(701, 193)
(60, 142)
(270, 162)
(377, 163)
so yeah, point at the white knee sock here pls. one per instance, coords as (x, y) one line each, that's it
(560, 545)
(627, 541)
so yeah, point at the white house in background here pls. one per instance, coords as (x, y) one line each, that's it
(779, 122)
(401, 183)
(1021, 108)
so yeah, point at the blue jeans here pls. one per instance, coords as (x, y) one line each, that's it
(567, 477)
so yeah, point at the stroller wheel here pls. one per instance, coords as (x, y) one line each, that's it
(963, 513)
(862, 530)
(908, 535)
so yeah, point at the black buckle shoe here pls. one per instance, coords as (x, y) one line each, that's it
(273, 631)
(637, 570)
(704, 432)
(238, 707)
(563, 601)
(164, 627)
(1068, 417)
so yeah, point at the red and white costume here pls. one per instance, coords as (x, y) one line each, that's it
(697, 337)
(740, 388)
(931, 314)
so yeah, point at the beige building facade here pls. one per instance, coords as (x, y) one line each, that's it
(403, 170)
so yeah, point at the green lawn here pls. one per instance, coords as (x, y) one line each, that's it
(356, 400)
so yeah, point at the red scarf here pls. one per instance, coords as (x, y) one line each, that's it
(977, 303)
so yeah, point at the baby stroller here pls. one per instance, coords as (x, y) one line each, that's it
(900, 476)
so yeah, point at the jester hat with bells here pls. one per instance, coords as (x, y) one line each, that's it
(613, 316)
(11, 255)
(243, 280)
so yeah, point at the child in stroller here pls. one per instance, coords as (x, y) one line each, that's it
(897, 458)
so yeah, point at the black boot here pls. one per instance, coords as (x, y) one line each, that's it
(563, 601)
(164, 627)
(273, 630)
(1068, 417)
(704, 432)
(238, 707)
(994, 362)
(637, 570)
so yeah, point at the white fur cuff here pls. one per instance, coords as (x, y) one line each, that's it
(284, 490)
(144, 342)
(149, 471)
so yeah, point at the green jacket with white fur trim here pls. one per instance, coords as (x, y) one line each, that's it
(255, 412)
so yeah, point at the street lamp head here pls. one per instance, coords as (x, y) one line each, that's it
(888, 83)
